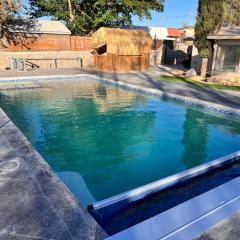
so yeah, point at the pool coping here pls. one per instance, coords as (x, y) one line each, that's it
(210, 106)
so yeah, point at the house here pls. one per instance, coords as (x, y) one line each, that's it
(187, 32)
(174, 33)
(226, 56)
(157, 33)
(162, 44)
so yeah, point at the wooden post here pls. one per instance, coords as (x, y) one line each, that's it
(55, 61)
(13, 63)
(215, 50)
(204, 68)
(24, 64)
(80, 62)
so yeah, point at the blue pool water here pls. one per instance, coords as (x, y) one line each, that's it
(103, 140)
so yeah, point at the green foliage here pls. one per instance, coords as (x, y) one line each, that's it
(186, 25)
(211, 15)
(233, 12)
(13, 16)
(8, 12)
(86, 16)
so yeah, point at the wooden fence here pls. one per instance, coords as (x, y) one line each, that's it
(79, 43)
(49, 42)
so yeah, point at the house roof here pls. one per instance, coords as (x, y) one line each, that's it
(158, 33)
(173, 32)
(229, 32)
(41, 26)
(122, 41)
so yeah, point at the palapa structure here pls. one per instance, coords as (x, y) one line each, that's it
(121, 49)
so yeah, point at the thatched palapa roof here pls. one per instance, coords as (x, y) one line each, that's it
(122, 41)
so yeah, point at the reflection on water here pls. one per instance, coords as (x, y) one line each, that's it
(195, 138)
(102, 141)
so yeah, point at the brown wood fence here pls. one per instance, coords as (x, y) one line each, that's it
(40, 42)
(50, 42)
(79, 43)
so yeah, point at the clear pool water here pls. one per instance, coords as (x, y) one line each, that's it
(103, 140)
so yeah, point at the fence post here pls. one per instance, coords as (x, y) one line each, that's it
(13, 63)
(24, 64)
(55, 62)
(80, 62)
(21, 64)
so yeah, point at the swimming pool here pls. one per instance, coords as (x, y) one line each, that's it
(102, 140)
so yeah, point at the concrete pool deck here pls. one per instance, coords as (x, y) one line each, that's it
(52, 211)
(35, 204)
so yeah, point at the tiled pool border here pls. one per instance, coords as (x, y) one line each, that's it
(209, 106)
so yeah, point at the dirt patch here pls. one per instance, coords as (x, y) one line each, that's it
(230, 79)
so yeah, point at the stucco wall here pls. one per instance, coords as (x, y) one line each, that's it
(156, 56)
(196, 62)
(46, 59)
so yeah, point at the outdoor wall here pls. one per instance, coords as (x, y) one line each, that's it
(46, 59)
(121, 63)
(41, 42)
(156, 57)
(183, 53)
(196, 62)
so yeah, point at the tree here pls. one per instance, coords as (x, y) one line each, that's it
(186, 25)
(8, 12)
(12, 16)
(211, 15)
(233, 12)
(83, 17)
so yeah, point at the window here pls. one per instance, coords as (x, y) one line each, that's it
(228, 57)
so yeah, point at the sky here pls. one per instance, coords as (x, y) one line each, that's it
(176, 12)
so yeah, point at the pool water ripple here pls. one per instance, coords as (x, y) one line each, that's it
(103, 140)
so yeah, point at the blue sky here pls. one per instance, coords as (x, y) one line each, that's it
(176, 12)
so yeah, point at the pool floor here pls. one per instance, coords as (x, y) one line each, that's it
(102, 140)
